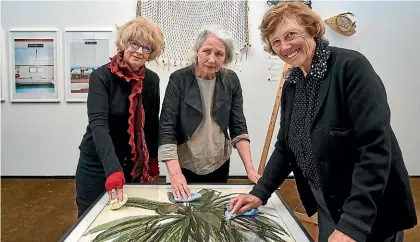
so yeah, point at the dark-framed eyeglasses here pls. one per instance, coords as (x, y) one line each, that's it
(136, 45)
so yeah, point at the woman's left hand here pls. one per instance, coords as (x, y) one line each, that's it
(253, 175)
(338, 236)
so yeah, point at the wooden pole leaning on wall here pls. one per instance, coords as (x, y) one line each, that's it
(273, 120)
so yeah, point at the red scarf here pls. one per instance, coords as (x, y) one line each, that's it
(145, 168)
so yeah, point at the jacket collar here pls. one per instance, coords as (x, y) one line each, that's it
(193, 97)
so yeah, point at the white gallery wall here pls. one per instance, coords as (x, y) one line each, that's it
(41, 139)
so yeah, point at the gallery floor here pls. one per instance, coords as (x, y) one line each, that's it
(44, 209)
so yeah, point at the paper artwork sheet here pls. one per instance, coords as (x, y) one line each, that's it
(151, 214)
(275, 68)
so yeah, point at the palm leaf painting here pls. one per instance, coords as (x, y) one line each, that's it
(196, 221)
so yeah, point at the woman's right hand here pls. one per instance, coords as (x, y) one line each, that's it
(179, 184)
(243, 203)
(114, 186)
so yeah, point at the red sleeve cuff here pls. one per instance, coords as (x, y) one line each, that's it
(154, 167)
(115, 180)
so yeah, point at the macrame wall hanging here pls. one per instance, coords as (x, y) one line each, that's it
(180, 22)
(307, 2)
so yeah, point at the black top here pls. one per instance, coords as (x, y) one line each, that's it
(107, 106)
(304, 106)
(356, 154)
(182, 111)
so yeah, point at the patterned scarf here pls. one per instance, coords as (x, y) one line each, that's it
(143, 168)
(304, 106)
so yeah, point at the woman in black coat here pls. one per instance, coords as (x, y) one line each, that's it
(121, 140)
(202, 117)
(335, 135)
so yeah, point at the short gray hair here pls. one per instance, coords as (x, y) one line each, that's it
(220, 33)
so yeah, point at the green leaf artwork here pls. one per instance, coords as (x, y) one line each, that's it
(196, 221)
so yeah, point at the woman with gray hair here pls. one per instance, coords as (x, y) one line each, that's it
(202, 102)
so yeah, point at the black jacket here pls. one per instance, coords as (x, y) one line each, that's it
(106, 135)
(362, 173)
(182, 109)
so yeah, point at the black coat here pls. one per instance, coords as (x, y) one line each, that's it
(182, 108)
(362, 173)
(106, 138)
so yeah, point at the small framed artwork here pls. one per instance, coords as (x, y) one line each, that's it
(33, 60)
(85, 51)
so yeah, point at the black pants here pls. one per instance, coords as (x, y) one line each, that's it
(326, 224)
(90, 181)
(218, 176)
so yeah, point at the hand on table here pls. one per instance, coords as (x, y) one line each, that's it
(243, 203)
(114, 186)
(338, 236)
(116, 194)
(253, 176)
(179, 186)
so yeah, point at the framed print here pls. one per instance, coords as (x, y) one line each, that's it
(85, 50)
(33, 60)
(152, 214)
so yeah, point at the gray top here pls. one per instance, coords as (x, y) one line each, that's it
(208, 148)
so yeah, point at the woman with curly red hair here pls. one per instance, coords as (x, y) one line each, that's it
(121, 140)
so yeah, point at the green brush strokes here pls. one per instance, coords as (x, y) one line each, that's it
(196, 221)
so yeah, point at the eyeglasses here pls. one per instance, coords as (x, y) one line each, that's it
(136, 45)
